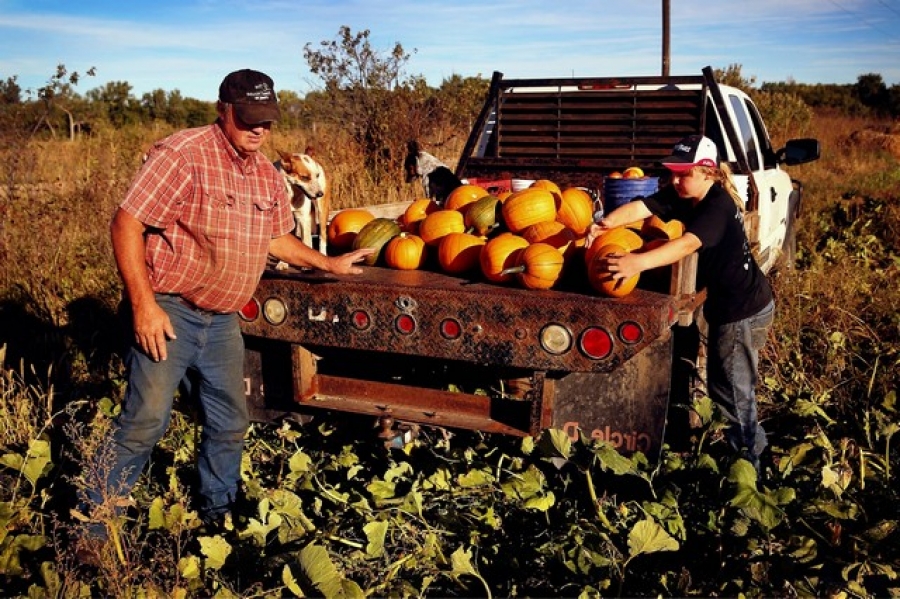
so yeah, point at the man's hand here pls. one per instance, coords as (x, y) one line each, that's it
(344, 264)
(152, 329)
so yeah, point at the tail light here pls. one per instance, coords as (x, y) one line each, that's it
(630, 332)
(250, 311)
(596, 343)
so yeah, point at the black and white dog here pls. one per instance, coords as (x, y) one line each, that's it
(437, 179)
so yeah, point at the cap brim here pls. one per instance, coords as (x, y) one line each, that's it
(257, 113)
(678, 167)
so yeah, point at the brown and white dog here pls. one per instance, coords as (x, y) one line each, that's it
(307, 187)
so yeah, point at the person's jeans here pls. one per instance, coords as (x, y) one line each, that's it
(732, 364)
(211, 346)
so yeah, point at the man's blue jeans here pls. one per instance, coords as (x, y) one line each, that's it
(212, 346)
(731, 378)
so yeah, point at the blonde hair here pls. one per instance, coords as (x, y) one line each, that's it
(722, 176)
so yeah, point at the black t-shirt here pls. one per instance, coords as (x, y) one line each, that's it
(735, 286)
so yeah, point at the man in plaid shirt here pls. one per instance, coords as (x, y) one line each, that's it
(191, 240)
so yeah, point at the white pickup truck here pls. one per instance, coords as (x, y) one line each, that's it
(425, 348)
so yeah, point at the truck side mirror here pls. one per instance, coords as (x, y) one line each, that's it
(799, 151)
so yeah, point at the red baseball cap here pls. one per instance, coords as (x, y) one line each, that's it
(695, 150)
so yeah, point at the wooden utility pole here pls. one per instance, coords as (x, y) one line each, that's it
(665, 38)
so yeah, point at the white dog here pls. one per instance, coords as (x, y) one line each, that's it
(307, 187)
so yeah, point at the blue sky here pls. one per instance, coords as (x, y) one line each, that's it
(189, 45)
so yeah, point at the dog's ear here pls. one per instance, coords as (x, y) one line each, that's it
(285, 156)
(310, 151)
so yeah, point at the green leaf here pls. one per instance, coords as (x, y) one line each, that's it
(321, 571)
(555, 443)
(475, 478)
(289, 581)
(157, 514)
(441, 480)
(461, 563)
(216, 550)
(37, 460)
(647, 536)
(189, 567)
(299, 462)
(542, 503)
(375, 533)
(610, 459)
(381, 489)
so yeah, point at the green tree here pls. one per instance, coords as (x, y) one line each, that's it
(359, 83)
(872, 92)
(731, 75)
(10, 92)
(117, 103)
(58, 94)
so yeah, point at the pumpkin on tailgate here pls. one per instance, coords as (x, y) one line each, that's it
(345, 225)
(499, 254)
(439, 223)
(548, 185)
(527, 207)
(419, 209)
(464, 195)
(551, 232)
(621, 236)
(656, 228)
(375, 234)
(602, 280)
(538, 266)
(405, 252)
(576, 210)
(482, 215)
(459, 252)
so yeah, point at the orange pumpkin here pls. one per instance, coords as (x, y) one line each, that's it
(656, 228)
(459, 252)
(419, 209)
(527, 207)
(539, 266)
(464, 195)
(345, 225)
(439, 223)
(499, 254)
(551, 232)
(548, 185)
(405, 252)
(576, 210)
(623, 236)
(602, 280)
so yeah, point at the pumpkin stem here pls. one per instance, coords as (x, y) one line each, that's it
(513, 270)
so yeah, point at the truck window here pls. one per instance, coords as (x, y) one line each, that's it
(768, 154)
(748, 139)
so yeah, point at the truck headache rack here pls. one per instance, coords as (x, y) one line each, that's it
(574, 130)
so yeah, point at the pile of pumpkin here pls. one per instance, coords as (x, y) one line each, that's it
(528, 236)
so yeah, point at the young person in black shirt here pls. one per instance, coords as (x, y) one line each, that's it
(739, 307)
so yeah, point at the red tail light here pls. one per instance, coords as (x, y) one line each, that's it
(596, 343)
(451, 329)
(250, 311)
(405, 324)
(630, 332)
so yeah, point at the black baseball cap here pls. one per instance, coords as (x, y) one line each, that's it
(252, 94)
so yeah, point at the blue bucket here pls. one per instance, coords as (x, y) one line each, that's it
(621, 191)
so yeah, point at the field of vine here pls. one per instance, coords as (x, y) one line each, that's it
(328, 511)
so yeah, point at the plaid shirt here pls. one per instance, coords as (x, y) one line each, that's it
(211, 217)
